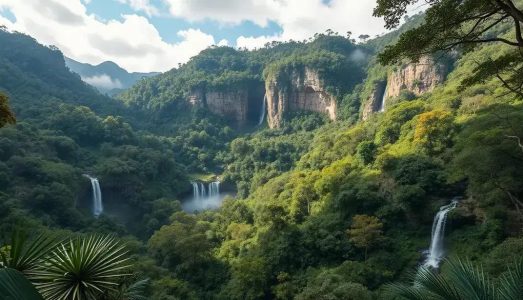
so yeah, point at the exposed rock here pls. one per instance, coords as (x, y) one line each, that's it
(237, 106)
(231, 105)
(305, 91)
(418, 78)
(373, 103)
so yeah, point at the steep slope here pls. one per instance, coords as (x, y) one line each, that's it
(36, 79)
(107, 77)
(231, 84)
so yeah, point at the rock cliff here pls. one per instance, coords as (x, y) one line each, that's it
(416, 78)
(236, 106)
(300, 91)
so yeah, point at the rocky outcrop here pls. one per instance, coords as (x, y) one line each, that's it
(374, 102)
(231, 105)
(418, 78)
(236, 106)
(300, 91)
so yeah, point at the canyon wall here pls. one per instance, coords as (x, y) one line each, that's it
(416, 78)
(231, 105)
(301, 91)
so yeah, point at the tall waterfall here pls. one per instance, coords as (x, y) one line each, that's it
(438, 232)
(98, 207)
(204, 197)
(383, 98)
(263, 111)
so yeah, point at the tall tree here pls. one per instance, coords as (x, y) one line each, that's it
(365, 231)
(451, 24)
(6, 116)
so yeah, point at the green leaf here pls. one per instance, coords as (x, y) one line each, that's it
(14, 286)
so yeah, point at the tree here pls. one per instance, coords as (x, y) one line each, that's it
(365, 231)
(6, 116)
(461, 280)
(363, 37)
(434, 130)
(451, 24)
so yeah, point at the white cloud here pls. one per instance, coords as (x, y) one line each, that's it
(103, 81)
(299, 19)
(225, 11)
(133, 43)
(141, 5)
(223, 42)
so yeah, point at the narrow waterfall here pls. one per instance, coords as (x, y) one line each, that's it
(214, 189)
(263, 111)
(438, 232)
(98, 207)
(383, 98)
(204, 197)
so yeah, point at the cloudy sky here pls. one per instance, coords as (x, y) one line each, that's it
(156, 35)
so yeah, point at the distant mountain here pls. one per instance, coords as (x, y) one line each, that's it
(107, 77)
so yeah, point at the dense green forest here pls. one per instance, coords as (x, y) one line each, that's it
(320, 209)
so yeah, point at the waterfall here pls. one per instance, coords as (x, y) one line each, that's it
(98, 207)
(204, 197)
(214, 189)
(264, 109)
(438, 232)
(382, 105)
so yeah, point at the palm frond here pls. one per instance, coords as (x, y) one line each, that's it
(404, 291)
(511, 283)
(24, 254)
(83, 268)
(136, 291)
(471, 282)
(437, 285)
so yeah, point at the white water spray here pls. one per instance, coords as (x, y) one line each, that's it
(264, 109)
(98, 208)
(438, 232)
(382, 105)
(204, 198)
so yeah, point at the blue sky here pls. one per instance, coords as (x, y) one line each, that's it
(157, 35)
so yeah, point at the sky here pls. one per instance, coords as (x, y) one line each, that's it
(157, 35)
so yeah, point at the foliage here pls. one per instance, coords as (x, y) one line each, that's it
(82, 268)
(365, 231)
(13, 285)
(462, 280)
(6, 116)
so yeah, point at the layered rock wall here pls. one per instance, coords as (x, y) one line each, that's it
(232, 105)
(418, 78)
(303, 91)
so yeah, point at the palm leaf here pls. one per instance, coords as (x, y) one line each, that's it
(83, 268)
(14, 286)
(471, 282)
(511, 283)
(24, 254)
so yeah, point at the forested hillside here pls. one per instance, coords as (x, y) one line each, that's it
(338, 156)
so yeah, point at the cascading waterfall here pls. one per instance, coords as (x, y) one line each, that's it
(382, 105)
(438, 232)
(98, 207)
(204, 197)
(263, 111)
(214, 189)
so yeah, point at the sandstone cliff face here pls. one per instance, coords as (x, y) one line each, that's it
(373, 103)
(418, 78)
(232, 105)
(305, 91)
